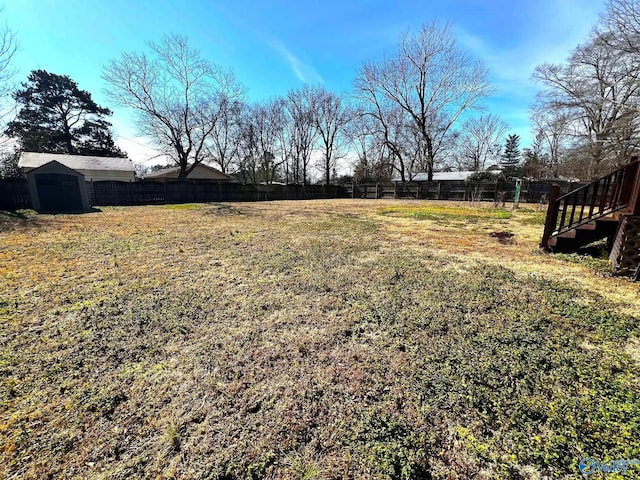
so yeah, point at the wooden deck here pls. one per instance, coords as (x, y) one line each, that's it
(608, 207)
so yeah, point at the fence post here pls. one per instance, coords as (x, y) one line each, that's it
(552, 214)
(516, 199)
(377, 190)
(438, 191)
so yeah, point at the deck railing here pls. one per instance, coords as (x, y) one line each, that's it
(604, 196)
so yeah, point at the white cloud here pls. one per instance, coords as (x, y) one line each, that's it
(304, 72)
(551, 38)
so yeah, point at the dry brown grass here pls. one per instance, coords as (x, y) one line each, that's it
(310, 339)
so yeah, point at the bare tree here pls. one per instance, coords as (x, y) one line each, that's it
(302, 132)
(261, 130)
(361, 135)
(619, 27)
(432, 81)
(481, 139)
(8, 49)
(268, 117)
(597, 89)
(223, 145)
(389, 125)
(175, 93)
(554, 131)
(331, 115)
(284, 144)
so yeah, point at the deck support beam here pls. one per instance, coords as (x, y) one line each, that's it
(552, 216)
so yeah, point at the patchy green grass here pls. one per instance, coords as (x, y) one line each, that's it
(594, 256)
(447, 214)
(184, 206)
(332, 339)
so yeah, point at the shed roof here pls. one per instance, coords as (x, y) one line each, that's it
(56, 167)
(31, 160)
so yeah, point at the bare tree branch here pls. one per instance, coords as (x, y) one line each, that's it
(178, 97)
(432, 82)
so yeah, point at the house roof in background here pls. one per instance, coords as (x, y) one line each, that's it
(76, 162)
(165, 171)
(444, 176)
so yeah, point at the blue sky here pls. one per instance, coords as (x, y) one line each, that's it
(279, 45)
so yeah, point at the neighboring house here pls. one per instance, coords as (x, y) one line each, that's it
(444, 176)
(94, 169)
(199, 173)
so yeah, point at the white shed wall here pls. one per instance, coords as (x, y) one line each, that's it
(101, 175)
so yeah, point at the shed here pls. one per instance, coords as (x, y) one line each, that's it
(200, 172)
(55, 187)
(93, 168)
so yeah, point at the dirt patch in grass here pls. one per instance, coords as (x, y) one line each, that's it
(326, 339)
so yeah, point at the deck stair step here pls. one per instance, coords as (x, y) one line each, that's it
(582, 235)
(594, 212)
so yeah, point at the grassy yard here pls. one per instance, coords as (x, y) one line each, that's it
(310, 339)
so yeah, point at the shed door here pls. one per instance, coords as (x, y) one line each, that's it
(58, 192)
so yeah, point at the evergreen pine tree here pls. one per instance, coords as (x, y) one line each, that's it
(511, 157)
(55, 116)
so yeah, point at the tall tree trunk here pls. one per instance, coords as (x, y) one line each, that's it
(327, 165)
(67, 138)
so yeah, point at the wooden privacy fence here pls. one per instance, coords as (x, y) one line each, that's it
(531, 191)
(14, 193)
(144, 193)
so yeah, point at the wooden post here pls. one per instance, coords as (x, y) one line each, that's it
(552, 215)
(634, 199)
(353, 190)
(516, 198)
(395, 190)
(377, 190)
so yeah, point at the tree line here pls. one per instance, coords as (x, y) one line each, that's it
(417, 109)
(586, 118)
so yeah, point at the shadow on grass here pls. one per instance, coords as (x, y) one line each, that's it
(15, 219)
